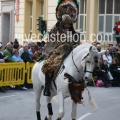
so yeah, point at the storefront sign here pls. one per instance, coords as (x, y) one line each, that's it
(17, 9)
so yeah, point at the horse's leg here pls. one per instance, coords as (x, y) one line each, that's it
(61, 105)
(74, 108)
(49, 106)
(38, 91)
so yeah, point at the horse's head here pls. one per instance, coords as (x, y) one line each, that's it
(88, 63)
(67, 11)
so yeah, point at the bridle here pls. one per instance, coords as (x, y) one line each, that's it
(85, 70)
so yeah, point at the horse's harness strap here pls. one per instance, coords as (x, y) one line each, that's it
(74, 63)
(77, 67)
(86, 70)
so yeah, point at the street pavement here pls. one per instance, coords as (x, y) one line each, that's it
(20, 105)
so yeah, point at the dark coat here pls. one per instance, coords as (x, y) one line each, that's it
(26, 57)
(1, 56)
(104, 68)
(118, 57)
(114, 71)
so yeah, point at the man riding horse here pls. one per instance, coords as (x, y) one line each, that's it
(62, 38)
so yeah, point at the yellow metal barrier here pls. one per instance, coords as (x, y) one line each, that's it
(12, 74)
(29, 67)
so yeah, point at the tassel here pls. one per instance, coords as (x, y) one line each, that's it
(91, 100)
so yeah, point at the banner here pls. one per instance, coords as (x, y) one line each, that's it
(17, 9)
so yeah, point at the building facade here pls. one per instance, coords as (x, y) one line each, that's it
(18, 18)
(97, 18)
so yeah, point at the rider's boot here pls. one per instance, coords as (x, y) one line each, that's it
(46, 91)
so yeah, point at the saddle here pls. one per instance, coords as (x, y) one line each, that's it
(53, 63)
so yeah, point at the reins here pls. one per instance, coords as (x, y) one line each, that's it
(74, 63)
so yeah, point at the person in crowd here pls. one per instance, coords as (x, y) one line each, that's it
(101, 72)
(16, 56)
(20, 46)
(16, 44)
(2, 57)
(94, 44)
(43, 44)
(26, 58)
(112, 50)
(39, 44)
(105, 69)
(2, 60)
(7, 53)
(98, 46)
(107, 57)
(21, 49)
(37, 53)
(118, 55)
(116, 33)
(114, 70)
(26, 55)
(32, 48)
(43, 50)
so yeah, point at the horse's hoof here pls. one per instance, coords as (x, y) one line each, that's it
(46, 118)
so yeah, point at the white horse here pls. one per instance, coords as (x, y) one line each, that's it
(79, 64)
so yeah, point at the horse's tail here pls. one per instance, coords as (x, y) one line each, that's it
(91, 99)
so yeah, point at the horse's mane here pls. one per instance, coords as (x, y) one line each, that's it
(85, 46)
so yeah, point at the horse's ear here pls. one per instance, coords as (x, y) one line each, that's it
(90, 50)
(93, 51)
(85, 56)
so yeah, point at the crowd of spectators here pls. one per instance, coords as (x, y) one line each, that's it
(109, 69)
(14, 52)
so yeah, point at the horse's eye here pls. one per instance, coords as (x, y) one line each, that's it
(88, 61)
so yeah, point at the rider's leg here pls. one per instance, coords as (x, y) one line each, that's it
(46, 91)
